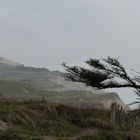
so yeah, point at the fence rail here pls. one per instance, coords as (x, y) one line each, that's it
(124, 118)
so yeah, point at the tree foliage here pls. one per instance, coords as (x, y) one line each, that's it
(103, 74)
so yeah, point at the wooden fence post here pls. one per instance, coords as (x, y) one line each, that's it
(113, 113)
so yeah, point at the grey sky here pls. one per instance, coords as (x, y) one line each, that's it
(47, 32)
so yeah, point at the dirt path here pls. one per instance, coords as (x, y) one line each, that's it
(3, 126)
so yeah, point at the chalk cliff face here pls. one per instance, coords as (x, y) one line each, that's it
(7, 62)
(22, 82)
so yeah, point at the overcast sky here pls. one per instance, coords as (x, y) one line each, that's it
(45, 33)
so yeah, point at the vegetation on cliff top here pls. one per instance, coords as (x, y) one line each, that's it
(42, 121)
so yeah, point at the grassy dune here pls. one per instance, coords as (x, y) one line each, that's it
(44, 121)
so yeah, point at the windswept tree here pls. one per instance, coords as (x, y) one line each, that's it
(104, 74)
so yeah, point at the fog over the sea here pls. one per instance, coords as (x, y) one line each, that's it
(44, 33)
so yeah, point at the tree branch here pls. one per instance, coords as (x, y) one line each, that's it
(103, 74)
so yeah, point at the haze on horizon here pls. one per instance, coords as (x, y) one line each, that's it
(44, 33)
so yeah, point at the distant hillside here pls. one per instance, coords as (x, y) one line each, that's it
(17, 90)
(29, 82)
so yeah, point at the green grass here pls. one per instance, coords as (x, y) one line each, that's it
(32, 120)
(111, 135)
